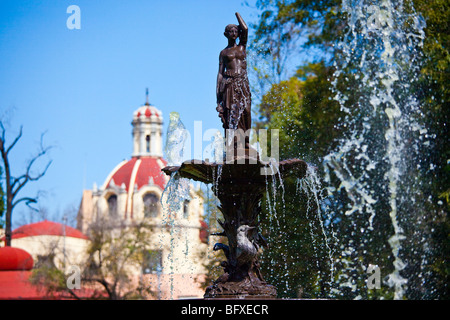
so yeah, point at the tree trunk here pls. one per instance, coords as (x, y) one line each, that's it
(9, 198)
(8, 232)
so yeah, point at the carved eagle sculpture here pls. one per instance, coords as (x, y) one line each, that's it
(246, 250)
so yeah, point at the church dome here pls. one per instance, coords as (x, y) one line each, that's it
(137, 172)
(144, 167)
(136, 184)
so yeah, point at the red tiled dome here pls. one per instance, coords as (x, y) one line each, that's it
(138, 171)
(147, 112)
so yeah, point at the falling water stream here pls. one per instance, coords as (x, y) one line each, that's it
(312, 187)
(309, 188)
(380, 50)
(176, 190)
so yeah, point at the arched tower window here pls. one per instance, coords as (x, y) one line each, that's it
(147, 143)
(112, 205)
(186, 209)
(150, 205)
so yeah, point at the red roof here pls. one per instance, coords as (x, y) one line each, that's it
(15, 285)
(15, 266)
(47, 228)
(149, 167)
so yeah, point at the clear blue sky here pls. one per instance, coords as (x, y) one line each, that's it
(82, 86)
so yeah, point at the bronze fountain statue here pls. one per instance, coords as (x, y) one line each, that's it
(233, 90)
(239, 184)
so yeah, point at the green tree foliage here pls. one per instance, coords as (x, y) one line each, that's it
(287, 30)
(303, 108)
(435, 96)
(114, 254)
(281, 21)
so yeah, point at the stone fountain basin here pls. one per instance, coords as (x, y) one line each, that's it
(257, 172)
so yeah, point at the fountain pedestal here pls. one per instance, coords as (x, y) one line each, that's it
(239, 188)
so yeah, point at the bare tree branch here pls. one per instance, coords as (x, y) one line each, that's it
(15, 140)
(27, 201)
(73, 294)
(25, 178)
(15, 184)
(3, 133)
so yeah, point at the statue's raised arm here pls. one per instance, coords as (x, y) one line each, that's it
(243, 30)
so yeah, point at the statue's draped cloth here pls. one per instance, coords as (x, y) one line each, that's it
(235, 104)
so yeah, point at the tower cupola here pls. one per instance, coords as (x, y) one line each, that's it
(147, 131)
